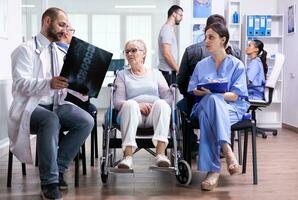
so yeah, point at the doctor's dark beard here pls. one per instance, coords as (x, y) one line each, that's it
(56, 36)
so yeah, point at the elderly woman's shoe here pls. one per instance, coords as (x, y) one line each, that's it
(162, 161)
(125, 163)
(210, 182)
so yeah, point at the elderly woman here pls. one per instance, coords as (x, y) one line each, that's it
(143, 98)
(216, 112)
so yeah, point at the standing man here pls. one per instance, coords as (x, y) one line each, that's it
(167, 44)
(38, 106)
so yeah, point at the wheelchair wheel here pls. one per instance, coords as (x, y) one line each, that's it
(104, 177)
(184, 177)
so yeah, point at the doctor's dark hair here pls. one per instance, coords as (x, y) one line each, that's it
(52, 13)
(221, 30)
(262, 54)
(173, 9)
(216, 18)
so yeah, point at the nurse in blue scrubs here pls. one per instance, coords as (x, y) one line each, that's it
(256, 69)
(216, 112)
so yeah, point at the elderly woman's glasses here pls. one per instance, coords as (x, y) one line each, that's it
(72, 31)
(133, 51)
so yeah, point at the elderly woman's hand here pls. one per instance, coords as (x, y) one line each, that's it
(201, 92)
(145, 108)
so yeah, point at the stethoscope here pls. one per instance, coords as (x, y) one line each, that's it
(38, 47)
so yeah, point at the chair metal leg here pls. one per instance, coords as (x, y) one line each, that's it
(95, 136)
(254, 155)
(9, 170)
(239, 147)
(232, 140)
(84, 159)
(92, 148)
(245, 152)
(36, 159)
(94, 143)
(77, 169)
(24, 169)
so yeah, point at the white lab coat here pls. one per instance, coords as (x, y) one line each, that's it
(29, 85)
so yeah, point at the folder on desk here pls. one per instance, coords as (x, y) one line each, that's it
(250, 25)
(268, 25)
(257, 25)
(262, 31)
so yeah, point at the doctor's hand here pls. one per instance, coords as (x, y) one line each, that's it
(59, 82)
(145, 108)
(201, 92)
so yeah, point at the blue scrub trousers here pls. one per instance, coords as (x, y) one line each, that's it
(215, 117)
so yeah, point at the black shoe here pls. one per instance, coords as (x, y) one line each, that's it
(50, 192)
(62, 183)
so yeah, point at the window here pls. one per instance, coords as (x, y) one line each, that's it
(80, 23)
(139, 27)
(106, 33)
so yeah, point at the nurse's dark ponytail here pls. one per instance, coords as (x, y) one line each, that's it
(262, 54)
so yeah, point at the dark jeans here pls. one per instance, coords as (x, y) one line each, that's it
(46, 124)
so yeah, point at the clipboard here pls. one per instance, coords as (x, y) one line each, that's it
(214, 87)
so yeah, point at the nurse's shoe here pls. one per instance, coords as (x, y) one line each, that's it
(125, 163)
(233, 167)
(210, 182)
(162, 161)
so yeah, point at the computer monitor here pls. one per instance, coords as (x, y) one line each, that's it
(116, 65)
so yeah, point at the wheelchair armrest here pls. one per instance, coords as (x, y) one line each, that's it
(112, 85)
(174, 85)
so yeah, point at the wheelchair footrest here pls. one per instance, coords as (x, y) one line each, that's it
(164, 169)
(123, 171)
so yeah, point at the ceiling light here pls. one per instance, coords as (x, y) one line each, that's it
(28, 6)
(134, 6)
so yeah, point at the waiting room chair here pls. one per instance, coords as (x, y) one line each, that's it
(246, 125)
(269, 89)
(77, 166)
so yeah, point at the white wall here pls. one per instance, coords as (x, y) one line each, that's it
(290, 71)
(7, 45)
(259, 6)
(185, 27)
(14, 30)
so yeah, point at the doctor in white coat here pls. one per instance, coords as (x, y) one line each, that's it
(38, 106)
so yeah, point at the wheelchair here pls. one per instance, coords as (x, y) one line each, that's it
(110, 143)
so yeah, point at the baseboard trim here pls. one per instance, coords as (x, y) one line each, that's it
(290, 127)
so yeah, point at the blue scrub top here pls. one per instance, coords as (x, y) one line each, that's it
(231, 70)
(256, 77)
